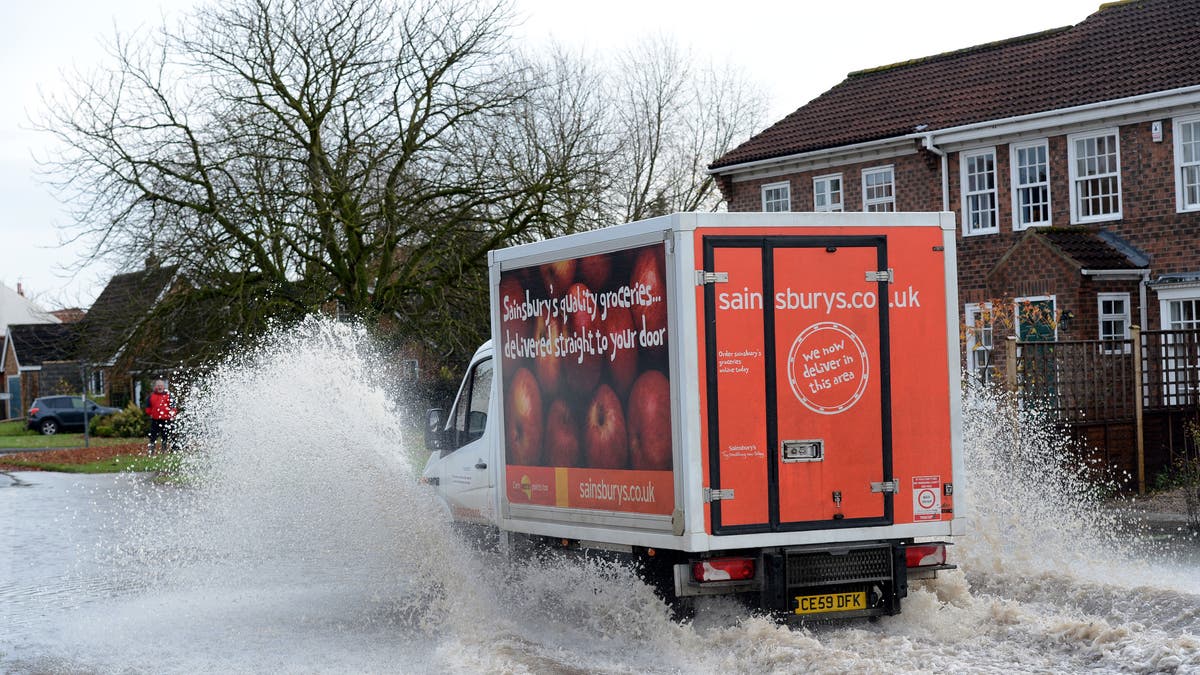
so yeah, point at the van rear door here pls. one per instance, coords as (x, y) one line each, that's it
(798, 382)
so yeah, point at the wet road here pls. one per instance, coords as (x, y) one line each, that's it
(88, 586)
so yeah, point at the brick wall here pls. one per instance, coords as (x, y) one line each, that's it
(14, 406)
(913, 173)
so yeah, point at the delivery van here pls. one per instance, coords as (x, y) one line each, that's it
(763, 404)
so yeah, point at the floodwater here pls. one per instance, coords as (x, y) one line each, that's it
(305, 545)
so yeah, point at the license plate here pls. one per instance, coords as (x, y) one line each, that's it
(831, 602)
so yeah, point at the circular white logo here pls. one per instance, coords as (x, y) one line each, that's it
(828, 368)
(926, 499)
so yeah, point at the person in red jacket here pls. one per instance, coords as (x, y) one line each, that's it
(161, 413)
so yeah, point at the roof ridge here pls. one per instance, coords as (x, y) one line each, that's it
(995, 44)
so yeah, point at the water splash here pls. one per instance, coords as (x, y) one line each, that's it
(1039, 507)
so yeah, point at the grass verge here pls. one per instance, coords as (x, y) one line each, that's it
(126, 456)
(14, 436)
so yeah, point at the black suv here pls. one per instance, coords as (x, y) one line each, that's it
(51, 414)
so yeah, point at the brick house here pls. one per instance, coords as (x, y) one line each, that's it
(111, 335)
(37, 361)
(1071, 158)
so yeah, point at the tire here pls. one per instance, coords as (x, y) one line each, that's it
(48, 427)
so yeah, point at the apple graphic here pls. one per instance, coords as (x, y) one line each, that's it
(523, 420)
(594, 270)
(650, 272)
(548, 366)
(557, 276)
(530, 278)
(649, 421)
(605, 441)
(562, 435)
(622, 358)
(582, 368)
(514, 328)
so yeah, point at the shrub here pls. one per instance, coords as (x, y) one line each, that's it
(131, 422)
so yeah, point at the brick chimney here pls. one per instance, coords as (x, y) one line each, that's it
(20, 289)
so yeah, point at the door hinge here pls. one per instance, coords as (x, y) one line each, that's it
(886, 487)
(703, 277)
(888, 275)
(711, 495)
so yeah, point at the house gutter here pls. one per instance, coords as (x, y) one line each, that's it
(927, 142)
(1032, 122)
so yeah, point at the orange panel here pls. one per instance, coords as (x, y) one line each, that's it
(920, 369)
(828, 376)
(741, 386)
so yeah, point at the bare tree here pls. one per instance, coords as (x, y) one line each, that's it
(300, 153)
(673, 119)
(287, 155)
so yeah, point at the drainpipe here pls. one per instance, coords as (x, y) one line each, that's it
(927, 142)
(1145, 314)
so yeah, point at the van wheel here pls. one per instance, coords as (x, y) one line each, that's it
(49, 427)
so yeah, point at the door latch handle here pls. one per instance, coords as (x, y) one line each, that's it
(481, 465)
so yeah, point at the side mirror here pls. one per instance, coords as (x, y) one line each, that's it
(435, 437)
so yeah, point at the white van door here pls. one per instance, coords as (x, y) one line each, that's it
(464, 477)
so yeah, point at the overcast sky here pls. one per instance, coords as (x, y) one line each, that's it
(794, 49)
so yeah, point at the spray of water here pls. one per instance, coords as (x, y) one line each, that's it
(301, 541)
(1036, 505)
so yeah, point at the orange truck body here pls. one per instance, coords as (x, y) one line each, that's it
(771, 386)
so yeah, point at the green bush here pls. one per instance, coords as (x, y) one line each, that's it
(131, 422)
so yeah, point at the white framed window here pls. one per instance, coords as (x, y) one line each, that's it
(1180, 310)
(1114, 319)
(980, 346)
(777, 197)
(827, 193)
(1030, 164)
(879, 189)
(1187, 164)
(96, 382)
(977, 173)
(1094, 159)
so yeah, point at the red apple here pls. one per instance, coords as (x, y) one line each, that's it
(562, 435)
(582, 368)
(557, 276)
(649, 276)
(605, 441)
(595, 269)
(530, 278)
(548, 366)
(622, 357)
(649, 420)
(514, 328)
(523, 420)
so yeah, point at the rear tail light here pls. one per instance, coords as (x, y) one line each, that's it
(924, 555)
(723, 569)
(32, 411)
